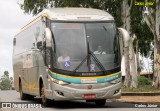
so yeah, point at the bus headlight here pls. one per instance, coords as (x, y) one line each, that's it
(116, 81)
(60, 82)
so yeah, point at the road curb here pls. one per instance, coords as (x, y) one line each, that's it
(140, 94)
(129, 101)
(124, 101)
(137, 99)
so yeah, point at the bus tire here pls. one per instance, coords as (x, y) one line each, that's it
(23, 96)
(100, 102)
(30, 97)
(45, 101)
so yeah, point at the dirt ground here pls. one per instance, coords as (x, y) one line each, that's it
(139, 99)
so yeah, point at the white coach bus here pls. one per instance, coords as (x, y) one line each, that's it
(68, 54)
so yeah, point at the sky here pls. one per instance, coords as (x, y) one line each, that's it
(12, 19)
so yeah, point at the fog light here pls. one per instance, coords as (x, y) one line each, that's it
(116, 91)
(60, 93)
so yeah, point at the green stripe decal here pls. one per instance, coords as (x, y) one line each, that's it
(80, 80)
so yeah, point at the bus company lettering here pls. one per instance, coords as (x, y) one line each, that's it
(89, 74)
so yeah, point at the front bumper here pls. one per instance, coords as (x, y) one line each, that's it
(77, 91)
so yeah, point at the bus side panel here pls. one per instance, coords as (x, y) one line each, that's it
(17, 70)
(41, 69)
(47, 84)
(43, 74)
(26, 41)
(34, 73)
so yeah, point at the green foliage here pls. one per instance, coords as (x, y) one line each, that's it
(11, 78)
(142, 81)
(145, 85)
(114, 8)
(144, 88)
(34, 6)
(5, 84)
(141, 30)
(0, 86)
(6, 74)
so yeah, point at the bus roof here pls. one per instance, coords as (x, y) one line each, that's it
(71, 14)
(78, 14)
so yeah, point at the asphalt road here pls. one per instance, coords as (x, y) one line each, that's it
(13, 96)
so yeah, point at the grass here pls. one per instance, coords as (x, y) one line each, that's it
(141, 88)
(145, 85)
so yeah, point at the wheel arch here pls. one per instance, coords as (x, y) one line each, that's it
(19, 81)
(40, 85)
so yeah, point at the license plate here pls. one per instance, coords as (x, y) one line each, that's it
(89, 96)
(89, 81)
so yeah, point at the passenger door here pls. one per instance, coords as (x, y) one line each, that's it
(24, 76)
(33, 72)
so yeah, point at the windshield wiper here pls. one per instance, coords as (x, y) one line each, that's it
(105, 28)
(81, 63)
(94, 58)
(97, 61)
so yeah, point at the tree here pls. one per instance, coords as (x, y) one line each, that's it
(6, 74)
(5, 83)
(152, 20)
(142, 32)
(11, 78)
(129, 54)
(133, 21)
(156, 82)
(0, 86)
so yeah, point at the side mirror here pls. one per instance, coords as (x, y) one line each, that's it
(48, 36)
(14, 41)
(125, 35)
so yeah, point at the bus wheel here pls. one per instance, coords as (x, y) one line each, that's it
(23, 96)
(45, 101)
(30, 97)
(100, 102)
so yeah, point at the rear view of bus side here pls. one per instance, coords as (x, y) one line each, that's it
(68, 54)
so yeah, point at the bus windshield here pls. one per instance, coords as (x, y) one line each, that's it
(85, 47)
